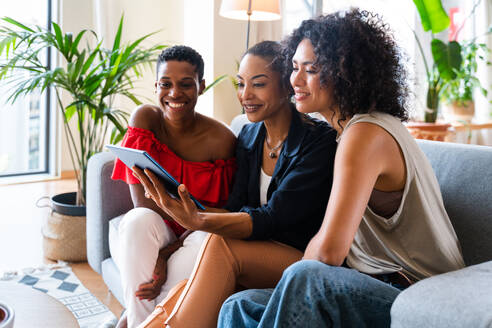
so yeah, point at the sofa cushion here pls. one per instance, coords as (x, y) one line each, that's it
(464, 173)
(458, 299)
(113, 239)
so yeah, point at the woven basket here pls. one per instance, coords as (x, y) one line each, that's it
(64, 237)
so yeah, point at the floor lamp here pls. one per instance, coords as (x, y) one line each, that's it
(250, 10)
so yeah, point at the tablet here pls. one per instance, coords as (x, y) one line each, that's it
(142, 160)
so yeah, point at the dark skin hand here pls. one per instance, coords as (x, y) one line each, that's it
(183, 210)
(152, 289)
(159, 195)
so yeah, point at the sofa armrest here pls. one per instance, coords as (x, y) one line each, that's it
(105, 200)
(455, 299)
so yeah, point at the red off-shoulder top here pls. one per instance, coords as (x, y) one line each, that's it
(209, 182)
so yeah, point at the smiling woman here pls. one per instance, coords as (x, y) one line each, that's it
(155, 252)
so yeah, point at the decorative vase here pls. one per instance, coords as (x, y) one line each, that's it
(430, 115)
(457, 111)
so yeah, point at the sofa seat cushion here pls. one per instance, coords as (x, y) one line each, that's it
(113, 238)
(461, 298)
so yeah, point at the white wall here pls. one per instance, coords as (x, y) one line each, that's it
(73, 16)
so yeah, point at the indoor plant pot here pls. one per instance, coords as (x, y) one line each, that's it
(458, 111)
(437, 131)
(64, 228)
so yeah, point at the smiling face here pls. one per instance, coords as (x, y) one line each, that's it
(259, 89)
(310, 94)
(178, 88)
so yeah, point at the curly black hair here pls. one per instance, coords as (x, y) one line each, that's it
(272, 51)
(182, 53)
(358, 58)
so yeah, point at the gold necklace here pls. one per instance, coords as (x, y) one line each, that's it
(273, 150)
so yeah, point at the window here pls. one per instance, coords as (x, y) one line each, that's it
(400, 15)
(24, 129)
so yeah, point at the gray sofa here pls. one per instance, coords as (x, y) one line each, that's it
(465, 176)
(461, 298)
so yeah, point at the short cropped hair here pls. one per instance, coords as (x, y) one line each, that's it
(182, 53)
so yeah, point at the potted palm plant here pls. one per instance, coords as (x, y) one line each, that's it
(92, 77)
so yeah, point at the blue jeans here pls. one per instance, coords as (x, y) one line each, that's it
(313, 294)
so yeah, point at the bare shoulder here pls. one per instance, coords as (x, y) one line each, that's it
(145, 117)
(366, 141)
(219, 137)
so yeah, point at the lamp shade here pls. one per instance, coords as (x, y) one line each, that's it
(261, 10)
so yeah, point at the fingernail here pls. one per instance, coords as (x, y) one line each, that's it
(182, 188)
(155, 277)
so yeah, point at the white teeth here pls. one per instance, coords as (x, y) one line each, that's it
(175, 105)
(301, 94)
(251, 106)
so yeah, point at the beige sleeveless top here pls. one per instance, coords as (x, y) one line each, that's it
(418, 239)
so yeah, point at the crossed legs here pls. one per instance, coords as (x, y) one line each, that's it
(225, 264)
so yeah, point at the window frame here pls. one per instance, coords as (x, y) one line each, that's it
(46, 128)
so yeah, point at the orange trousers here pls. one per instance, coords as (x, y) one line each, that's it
(222, 265)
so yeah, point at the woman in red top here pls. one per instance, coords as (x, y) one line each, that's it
(154, 251)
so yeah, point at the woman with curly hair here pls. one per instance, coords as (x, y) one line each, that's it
(385, 225)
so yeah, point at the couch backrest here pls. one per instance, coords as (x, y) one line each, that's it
(464, 173)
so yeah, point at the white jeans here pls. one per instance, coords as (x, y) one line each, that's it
(142, 233)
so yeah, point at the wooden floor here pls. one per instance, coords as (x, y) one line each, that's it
(20, 234)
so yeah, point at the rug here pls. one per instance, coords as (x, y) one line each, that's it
(60, 282)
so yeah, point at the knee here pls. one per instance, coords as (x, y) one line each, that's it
(216, 242)
(310, 271)
(305, 269)
(138, 222)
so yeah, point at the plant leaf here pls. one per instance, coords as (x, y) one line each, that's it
(117, 39)
(447, 58)
(59, 38)
(75, 43)
(432, 15)
(215, 82)
(69, 111)
(16, 23)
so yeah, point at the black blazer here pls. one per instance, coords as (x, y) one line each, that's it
(300, 185)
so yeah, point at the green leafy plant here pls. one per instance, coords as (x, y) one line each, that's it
(92, 77)
(459, 90)
(452, 74)
(446, 57)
